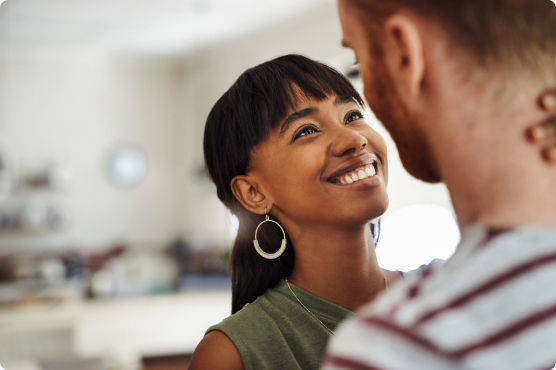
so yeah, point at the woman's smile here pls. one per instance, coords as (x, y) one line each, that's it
(359, 173)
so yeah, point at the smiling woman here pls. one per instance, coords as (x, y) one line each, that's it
(288, 143)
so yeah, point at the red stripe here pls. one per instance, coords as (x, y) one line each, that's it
(509, 332)
(346, 363)
(489, 286)
(413, 292)
(495, 339)
(410, 335)
(492, 234)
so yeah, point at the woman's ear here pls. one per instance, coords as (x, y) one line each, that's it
(246, 191)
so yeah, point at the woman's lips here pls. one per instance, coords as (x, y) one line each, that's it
(357, 174)
(353, 166)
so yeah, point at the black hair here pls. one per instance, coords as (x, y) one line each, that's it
(243, 117)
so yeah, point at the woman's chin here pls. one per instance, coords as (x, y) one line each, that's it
(362, 214)
(368, 195)
(377, 210)
(377, 207)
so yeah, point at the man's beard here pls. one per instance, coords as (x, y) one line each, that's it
(415, 152)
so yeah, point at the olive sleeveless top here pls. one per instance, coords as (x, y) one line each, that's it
(276, 332)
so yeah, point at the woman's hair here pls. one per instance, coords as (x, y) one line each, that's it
(241, 119)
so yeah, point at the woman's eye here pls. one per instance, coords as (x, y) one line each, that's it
(307, 130)
(353, 116)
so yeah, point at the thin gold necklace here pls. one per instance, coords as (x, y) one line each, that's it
(316, 318)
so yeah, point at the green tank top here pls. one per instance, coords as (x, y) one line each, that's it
(276, 332)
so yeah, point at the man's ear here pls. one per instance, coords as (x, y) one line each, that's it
(246, 191)
(404, 55)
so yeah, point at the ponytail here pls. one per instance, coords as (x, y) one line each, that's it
(253, 274)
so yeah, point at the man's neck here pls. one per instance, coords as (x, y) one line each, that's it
(494, 176)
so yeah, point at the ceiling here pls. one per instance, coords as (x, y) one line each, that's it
(137, 26)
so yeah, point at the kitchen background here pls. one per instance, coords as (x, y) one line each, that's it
(113, 244)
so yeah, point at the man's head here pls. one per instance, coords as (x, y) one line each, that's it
(408, 49)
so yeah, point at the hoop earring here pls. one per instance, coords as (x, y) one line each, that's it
(263, 253)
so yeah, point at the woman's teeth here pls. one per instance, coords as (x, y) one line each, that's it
(360, 173)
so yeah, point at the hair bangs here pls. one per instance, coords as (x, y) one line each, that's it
(279, 86)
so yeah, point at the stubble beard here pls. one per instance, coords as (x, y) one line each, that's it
(414, 150)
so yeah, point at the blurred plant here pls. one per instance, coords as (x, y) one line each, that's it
(225, 256)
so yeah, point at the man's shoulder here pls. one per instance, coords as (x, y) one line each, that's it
(492, 303)
(492, 272)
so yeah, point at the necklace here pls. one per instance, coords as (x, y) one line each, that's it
(316, 318)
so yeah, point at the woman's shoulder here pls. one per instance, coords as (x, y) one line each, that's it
(254, 331)
(216, 351)
(223, 343)
(250, 320)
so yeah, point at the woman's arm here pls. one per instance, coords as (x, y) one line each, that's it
(216, 352)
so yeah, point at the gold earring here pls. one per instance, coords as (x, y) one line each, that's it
(282, 247)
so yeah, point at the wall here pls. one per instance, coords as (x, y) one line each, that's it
(72, 114)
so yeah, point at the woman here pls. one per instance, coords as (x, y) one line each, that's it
(288, 141)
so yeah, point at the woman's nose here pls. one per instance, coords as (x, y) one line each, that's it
(348, 141)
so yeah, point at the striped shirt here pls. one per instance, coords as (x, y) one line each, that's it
(491, 306)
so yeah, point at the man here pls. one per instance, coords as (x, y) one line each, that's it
(456, 84)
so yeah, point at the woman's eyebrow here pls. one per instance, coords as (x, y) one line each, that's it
(344, 100)
(295, 116)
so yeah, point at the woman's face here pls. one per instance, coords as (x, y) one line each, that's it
(323, 165)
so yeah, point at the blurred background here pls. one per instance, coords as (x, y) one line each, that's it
(113, 244)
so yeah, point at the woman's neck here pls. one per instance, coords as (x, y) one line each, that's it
(339, 266)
